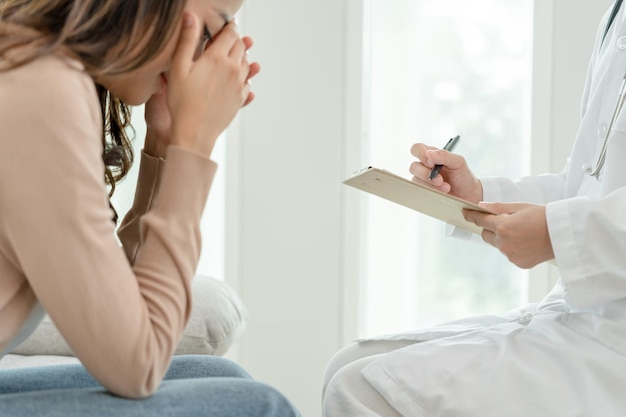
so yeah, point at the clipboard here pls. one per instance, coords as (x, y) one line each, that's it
(416, 196)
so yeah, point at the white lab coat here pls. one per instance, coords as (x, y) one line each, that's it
(565, 356)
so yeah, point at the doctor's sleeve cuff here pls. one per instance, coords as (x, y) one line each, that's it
(561, 234)
(498, 190)
(568, 255)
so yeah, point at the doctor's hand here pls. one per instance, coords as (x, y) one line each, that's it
(455, 178)
(519, 231)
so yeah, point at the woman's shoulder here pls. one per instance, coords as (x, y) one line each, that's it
(49, 70)
(54, 81)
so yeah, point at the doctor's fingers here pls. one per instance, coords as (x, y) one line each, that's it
(418, 150)
(450, 160)
(421, 174)
(421, 168)
(489, 237)
(431, 156)
(488, 222)
(506, 208)
(484, 220)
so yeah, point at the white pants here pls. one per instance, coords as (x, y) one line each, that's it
(538, 364)
(347, 393)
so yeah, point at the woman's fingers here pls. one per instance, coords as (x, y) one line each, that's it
(206, 93)
(238, 50)
(248, 41)
(225, 41)
(187, 45)
(255, 68)
(230, 46)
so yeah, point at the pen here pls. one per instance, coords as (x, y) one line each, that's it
(449, 147)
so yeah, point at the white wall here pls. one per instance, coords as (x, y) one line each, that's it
(566, 32)
(285, 216)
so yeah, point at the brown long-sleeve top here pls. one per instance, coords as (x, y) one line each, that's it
(121, 313)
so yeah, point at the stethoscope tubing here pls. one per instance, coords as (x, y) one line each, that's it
(618, 108)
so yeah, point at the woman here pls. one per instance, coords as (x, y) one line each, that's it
(565, 356)
(68, 71)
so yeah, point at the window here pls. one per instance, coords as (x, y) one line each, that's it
(437, 68)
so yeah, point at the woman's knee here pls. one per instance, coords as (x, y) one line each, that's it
(273, 402)
(71, 376)
(204, 366)
(237, 397)
(226, 397)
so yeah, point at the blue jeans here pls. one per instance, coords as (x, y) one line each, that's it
(196, 385)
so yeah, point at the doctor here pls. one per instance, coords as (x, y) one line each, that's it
(565, 356)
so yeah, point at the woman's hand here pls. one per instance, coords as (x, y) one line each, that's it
(203, 95)
(455, 177)
(519, 231)
(159, 121)
(158, 125)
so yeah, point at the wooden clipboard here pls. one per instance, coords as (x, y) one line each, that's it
(415, 196)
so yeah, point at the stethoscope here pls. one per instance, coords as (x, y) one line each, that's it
(595, 172)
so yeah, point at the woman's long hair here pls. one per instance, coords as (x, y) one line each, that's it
(90, 29)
